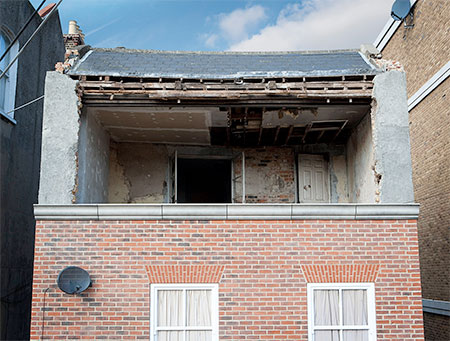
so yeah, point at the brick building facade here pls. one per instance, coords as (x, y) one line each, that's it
(424, 52)
(227, 196)
(264, 267)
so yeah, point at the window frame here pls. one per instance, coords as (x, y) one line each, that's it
(154, 288)
(11, 78)
(371, 313)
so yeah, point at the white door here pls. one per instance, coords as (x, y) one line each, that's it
(313, 178)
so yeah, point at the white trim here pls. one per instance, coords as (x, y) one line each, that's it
(388, 31)
(371, 314)
(438, 78)
(436, 307)
(185, 286)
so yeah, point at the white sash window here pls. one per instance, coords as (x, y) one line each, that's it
(184, 312)
(341, 312)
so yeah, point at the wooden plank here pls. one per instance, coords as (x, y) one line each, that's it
(307, 129)
(291, 128)
(277, 132)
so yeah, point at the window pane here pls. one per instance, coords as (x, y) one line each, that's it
(170, 308)
(198, 307)
(199, 335)
(170, 336)
(4, 43)
(326, 307)
(356, 335)
(326, 335)
(354, 307)
(2, 93)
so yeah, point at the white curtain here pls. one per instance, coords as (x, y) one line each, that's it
(198, 307)
(326, 304)
(356, 335)
(170, 308)
(326, 335)
(199, 335)
(198, 314)
(354, 307)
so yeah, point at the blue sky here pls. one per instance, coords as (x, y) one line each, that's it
(243, 25)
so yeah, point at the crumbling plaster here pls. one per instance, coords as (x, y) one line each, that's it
(138, 173)
(362, 186)
(59, 140)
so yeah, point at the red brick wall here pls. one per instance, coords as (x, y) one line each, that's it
(262, 291)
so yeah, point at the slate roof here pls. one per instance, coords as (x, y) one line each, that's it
(220, 65)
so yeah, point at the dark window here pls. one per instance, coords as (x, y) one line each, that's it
(204, 181)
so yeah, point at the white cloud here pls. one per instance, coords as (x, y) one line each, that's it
(318, 25)
(210, 39)
(235, 26)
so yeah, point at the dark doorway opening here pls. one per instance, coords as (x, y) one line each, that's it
(204, 181)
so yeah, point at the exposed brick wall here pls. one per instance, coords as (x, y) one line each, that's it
(269, 175)
(262, 292)
(425, 48)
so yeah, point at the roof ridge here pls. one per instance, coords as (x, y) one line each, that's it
(125, 50)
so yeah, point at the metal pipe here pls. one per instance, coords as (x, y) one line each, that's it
(29, 40)
(21, 31)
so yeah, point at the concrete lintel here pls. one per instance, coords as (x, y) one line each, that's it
(227, 212)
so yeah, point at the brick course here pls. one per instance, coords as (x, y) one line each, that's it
(262, 292)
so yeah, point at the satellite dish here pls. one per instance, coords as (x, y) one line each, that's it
(400, 9)
(74, 280)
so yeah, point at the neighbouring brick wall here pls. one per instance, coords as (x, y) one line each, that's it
(262, 290)
(430, 149)
(425, 48)
(437, 327)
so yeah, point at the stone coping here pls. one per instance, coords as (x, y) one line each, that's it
(226, 212)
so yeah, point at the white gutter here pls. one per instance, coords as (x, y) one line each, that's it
(388, 31)
(438, 78)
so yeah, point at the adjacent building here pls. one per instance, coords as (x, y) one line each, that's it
(423, 48)
(20, 150)
(227, 195)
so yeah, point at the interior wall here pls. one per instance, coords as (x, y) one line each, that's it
(361, 177)
(138, 173)
(269, 175)
(93, 161)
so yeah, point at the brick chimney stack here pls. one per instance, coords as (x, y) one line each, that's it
(75, 37)
(75, 47)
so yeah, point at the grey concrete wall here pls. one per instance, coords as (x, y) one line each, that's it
(93, 161)
(20, 149)
(392, 151)
(361, 179)
(60, 131)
